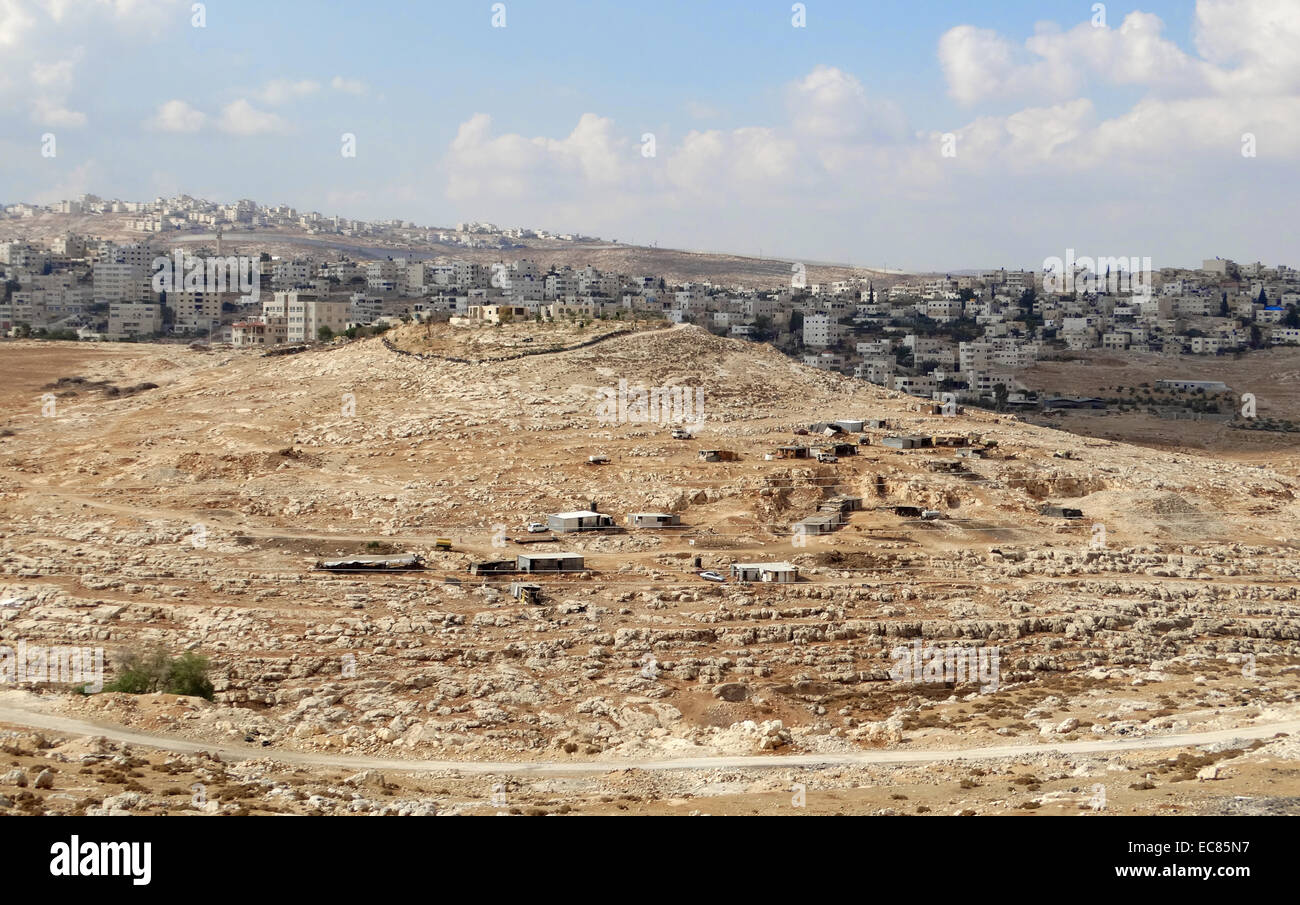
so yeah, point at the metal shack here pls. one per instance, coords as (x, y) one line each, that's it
(492, 567)
(792, 451)
(526, 591)
(654, 520)
(777, 572)
(550, 562)
(833, 512)
(820, 524)
(717, 455)
(914, 441)
(1060, 511)
(580, 520)
(850, 425)
(365, 563)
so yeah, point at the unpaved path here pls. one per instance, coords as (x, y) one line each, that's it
(35, 720)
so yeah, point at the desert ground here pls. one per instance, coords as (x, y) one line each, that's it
(1272, 376)
(161, 495)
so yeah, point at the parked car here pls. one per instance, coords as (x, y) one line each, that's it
(931, 514)
(829, 458)
(710, 575)
(597, 460)
(681, 433)
(537, 528)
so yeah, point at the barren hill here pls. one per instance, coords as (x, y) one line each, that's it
(182, 497)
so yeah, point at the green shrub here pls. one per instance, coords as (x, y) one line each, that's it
(156, 671)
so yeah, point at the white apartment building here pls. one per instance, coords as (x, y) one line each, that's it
(23, 255)
(1080, 340)
(820, 330)
(325, 312)
(985, 384)
(119, 281)
(560, 285)
(826, 361)
(944, 310)
(305, 313)
(975, 356)
(876, 370)
(1013, 352)
(920, 385)
(877, 349)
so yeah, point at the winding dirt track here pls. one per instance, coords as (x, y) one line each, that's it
(23, 717)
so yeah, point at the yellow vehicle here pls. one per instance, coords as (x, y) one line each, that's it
(443, 543)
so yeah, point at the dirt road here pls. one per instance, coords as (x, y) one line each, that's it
(35, 720)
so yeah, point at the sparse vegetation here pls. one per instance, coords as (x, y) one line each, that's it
(157, 671)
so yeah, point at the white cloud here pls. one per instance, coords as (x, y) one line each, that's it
(148, 16)
(1254, 44)
(54, 75)
(15, 22)
(977, 62)
(45, 39)
(280, 91)
(242, 118)
(745, 159)
(348, 86)
(1243, 78)
(177, 116)
(1243, 47)
(51, 112)
(830, 103)
(510, 165)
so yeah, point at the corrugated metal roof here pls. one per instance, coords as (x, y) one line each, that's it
(406, 559)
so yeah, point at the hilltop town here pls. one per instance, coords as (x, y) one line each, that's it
(973, 339)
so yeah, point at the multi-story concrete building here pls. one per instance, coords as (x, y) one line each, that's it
(194, 312)
(919, 385)
(264, 332)
(127, 319)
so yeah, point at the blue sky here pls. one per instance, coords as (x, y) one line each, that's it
(823, 142)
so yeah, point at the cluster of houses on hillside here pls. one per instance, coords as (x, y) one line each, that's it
(183, 213)
(968, 335)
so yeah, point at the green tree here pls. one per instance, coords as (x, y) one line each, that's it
(154, 671)
(1000, 394)
(324, 334)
